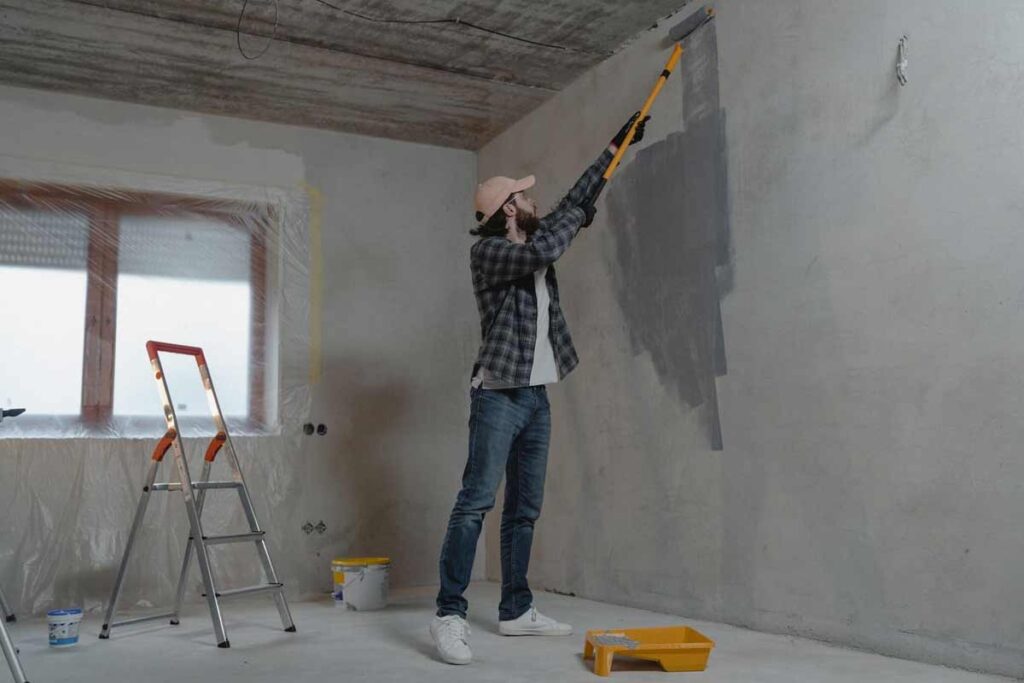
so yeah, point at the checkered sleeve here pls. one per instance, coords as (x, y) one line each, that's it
(584, 187)
(497, 260)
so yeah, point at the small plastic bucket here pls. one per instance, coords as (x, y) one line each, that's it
(64, 626)
(361, 583)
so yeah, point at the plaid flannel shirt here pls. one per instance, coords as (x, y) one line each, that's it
(505, 294)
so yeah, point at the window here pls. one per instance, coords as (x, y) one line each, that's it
(42, 290)
(86, 278)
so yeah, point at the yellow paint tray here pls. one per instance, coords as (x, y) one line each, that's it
(675, 648)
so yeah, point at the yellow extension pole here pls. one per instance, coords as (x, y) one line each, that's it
(673, 60)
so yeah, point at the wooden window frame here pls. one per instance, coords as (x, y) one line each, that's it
(105, 209)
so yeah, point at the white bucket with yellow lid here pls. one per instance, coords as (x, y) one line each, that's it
(361, 583)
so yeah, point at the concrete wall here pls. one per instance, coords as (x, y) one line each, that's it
(399, 335)
(869, 488)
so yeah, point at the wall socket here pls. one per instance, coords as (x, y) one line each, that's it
(320, 527)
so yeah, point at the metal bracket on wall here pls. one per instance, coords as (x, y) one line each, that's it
(901, 60)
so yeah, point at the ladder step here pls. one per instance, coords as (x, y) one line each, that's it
(139, 620)
(198, 485)
(216, 484)
(235, 538)
(250, 590)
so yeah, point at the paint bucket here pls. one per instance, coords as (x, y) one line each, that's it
(361, 583)
(64, 626)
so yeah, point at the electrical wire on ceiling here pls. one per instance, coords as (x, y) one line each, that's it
(381, 20)
(270, 39)
(456, 21)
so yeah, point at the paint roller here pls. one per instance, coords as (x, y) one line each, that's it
(678, 33)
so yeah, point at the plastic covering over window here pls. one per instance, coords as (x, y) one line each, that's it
(88, 274)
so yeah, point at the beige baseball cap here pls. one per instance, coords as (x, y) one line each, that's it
(493, 192)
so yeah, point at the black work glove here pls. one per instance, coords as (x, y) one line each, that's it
(590, 210)
(637, 137)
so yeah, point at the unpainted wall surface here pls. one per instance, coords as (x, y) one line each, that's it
(870, 481)
(392, 295)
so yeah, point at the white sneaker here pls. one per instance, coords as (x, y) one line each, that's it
(451, 636)
(533, 623)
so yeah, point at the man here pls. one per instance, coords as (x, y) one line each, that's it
(526, 345)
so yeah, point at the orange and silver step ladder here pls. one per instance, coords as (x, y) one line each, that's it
(7, 645)
(194, 495)
(6, 613)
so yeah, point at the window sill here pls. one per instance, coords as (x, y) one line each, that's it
(135, 427)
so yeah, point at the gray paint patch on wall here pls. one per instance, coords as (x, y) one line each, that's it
(668, 213)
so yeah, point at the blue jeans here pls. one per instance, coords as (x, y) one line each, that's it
(509, 431)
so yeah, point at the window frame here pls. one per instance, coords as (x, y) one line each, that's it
(104, 209)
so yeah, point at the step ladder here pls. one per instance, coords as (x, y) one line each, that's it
(6, 613)
(5, 610)
(194, 495)
(7, 645)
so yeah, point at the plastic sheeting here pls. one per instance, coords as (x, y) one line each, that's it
(87, 275)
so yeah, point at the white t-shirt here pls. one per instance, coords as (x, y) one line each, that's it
(544, 370)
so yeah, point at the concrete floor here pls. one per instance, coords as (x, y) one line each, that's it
(336, 645)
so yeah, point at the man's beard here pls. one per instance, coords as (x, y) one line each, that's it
(527, 222)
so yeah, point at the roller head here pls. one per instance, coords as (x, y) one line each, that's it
(690, 24)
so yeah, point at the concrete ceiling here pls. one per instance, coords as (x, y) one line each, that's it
(442, 84)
